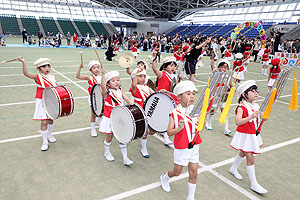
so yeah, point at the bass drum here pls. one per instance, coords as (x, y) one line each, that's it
(97, 100)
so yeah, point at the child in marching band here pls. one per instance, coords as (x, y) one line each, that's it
(94, 78)
(116, 49)
(245, 139)
(113, 96)
(223, 66)
(274, 71)
(140, 91)
(238, 68)
(187, 139)
(265, 62)
(165, 75)
(247, 54)
(43, 79)
(134, 49)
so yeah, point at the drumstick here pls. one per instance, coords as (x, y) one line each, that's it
(97, 55)
(7, 61)
(81, 57)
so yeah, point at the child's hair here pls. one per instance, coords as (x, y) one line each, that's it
(141, 62)
(253, 87)
(221, 64)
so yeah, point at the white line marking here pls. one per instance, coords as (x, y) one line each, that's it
(33, 84)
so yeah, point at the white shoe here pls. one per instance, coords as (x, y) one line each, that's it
(227, 132)
(127, 162)
(257, 188)
(44, 147)
(236, 174)
(167, 141)
(208, 126)
(109, 157)
(265, 74)
(145, 154)
(51, 139)
(165, 184)
(94, 133)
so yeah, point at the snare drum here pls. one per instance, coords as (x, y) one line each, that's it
(157, 108)
(128, 123)
(97, 100)
(58, 101)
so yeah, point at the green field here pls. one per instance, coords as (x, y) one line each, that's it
(74, 167)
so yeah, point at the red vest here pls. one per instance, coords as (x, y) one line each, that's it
(275, 72)
(134, 49)
(92, 82)
(177, 55)
(110, 102)
(265, 57)
(44, 81)
(164, 82)
(141, 94)
(227, 53)
(249, 127)
(238, 64)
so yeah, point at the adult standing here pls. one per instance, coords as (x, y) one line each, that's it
(40, 36)
(257, 45)
(24, 34)
(74, 39)
(58, 37)
(68, 38)
(277, 37)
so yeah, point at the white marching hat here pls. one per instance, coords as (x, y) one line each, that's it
(239, 56)
(42, 61)
(225, 61)
(111, 75)
(92, 63)
(169, 59)
(243, 87)
(142, 73)
(184, 86)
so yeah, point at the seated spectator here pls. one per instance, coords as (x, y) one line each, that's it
(29, 41)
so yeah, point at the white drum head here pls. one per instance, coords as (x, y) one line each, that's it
(157, 109)
(97, 100)
(122, 123)
(51, 103)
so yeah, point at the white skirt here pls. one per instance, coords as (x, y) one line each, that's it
(239, 76)
(39, 112)
(184, 156)
(265, 62)
(115, 52)
(271, 82)
(228, 58)
(249, 143)
(105, 126)
(134, 54)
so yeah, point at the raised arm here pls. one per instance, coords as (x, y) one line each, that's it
(156, 71)
(128, 71)
(25, 71)
(81, 77)
(126, 98)
(103, 83)
(133, 85)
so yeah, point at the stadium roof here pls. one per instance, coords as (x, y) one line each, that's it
(143, 9)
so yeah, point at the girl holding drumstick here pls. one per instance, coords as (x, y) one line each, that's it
(94, 78)
(113, 96)
(43, 79)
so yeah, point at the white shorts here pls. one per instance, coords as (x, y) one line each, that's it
(184, 156)
(265, 62)
(271, 82)
(105, 126)
(40, 112)
(239, 76)
(249, 143)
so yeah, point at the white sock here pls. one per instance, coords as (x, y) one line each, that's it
(98, 121)
(106, 146)
(166, 135)
(166, 176)
(209, 118)
(262, 70)
(50, 128)
(144, 145)
(251, 174)
(226, 124)
(266, 71)
(237, 161)
(44, 136)
(123, 148)
(93, 125)
(192, 189)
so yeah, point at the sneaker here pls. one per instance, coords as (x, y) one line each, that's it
(167, 141)
(208, 126)
(51, 139)
(236, 174)
(145, 154)
(259, 189)
(227, 132)
(94, 133)
(44, 147)
(109, 157)
(165, 184)
(127, 162)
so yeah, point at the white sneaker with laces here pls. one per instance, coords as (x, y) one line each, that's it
(94, 133)
(167, 141)
(258, 188)
(236, 174)
(109, 157)
(51, 139)
(44, 146)
(165, 184)
(127, 162)
(227, 132)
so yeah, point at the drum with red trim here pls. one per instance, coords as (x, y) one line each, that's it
(157, 108)
(128, 123)
(58, 101)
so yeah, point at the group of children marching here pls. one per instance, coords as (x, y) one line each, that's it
(181, 125)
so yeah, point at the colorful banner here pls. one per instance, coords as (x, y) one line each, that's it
(291, 59)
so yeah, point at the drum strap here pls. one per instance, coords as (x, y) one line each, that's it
(251, 109)
(45, 81)
(144, 91)
(115, 97)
